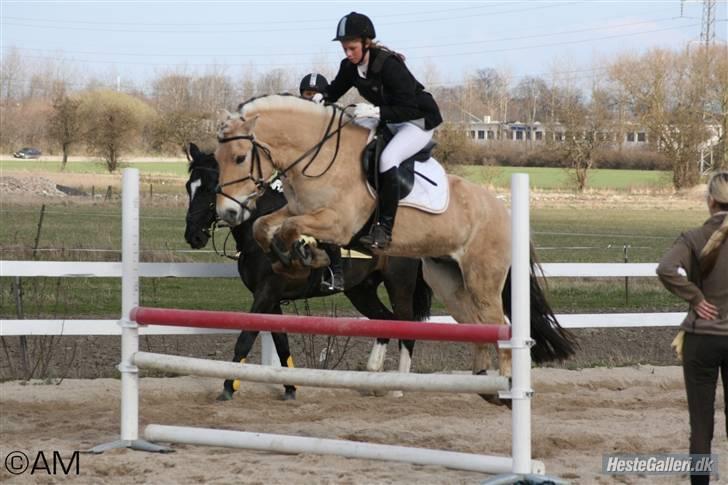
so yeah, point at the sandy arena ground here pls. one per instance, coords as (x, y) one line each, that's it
(578, 417)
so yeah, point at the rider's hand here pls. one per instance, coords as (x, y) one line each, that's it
(706, 311)
(366, 110)
(317, 98)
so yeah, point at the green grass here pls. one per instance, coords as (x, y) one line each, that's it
(543, 178)
(557, 232)
(175, 168)
(546, 178)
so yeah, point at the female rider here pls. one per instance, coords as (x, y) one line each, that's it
(399, 101)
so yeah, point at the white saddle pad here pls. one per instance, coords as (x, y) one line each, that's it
(426, 196)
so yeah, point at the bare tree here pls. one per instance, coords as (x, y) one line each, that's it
(11, 74)
(667, 93)
(584, 128)
(65, 124)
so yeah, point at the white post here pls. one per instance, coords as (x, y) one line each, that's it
(268, 354)
(129, 300)
(521, 391)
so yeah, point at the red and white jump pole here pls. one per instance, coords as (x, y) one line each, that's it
(519, 341)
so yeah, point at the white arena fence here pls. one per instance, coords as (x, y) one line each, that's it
(85, 269)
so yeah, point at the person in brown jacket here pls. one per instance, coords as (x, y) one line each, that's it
(703, 254)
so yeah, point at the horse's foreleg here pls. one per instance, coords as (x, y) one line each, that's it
(284, 354)
(266, 226)
(322, 224)
(245, 342)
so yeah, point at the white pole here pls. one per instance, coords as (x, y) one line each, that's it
(350, 449)
(268, 354)
(129, 300)
(521, 391)
(467, 383)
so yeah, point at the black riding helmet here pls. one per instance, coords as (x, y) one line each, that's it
(313, 82)
(354, 26)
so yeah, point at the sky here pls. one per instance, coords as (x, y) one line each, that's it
(443, 41)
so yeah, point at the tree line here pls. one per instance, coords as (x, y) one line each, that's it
(674, 95)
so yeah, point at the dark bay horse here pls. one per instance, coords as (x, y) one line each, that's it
(409, 295)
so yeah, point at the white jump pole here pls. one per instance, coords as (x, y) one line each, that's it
(350, 449)
(521, 342)
(386, 381)
(129, 328)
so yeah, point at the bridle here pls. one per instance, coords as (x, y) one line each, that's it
(260, 182)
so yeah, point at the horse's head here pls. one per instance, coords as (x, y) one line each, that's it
(244, 164)
(201, 189)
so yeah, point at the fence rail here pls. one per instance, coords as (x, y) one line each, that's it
(86, 269)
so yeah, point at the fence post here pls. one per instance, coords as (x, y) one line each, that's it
(37, 233)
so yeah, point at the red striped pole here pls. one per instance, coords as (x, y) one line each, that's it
(350, 327)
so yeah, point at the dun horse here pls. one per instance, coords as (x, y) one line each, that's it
(465, 250)
(409, 295)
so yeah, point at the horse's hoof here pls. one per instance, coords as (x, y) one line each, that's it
(225, 396)
(289, 395)
(278, 248)
(302, 252)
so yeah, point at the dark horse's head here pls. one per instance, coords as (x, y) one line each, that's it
(201, 188)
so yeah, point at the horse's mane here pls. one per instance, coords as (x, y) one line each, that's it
(282, 102)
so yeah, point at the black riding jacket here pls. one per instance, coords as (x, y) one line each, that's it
(394, 89)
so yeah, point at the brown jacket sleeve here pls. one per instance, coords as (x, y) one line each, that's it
(680, 256)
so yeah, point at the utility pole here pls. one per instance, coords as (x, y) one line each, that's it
(707, 29)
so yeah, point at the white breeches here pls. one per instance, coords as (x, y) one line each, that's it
(408, 140)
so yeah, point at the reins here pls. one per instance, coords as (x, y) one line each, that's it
(257, 146)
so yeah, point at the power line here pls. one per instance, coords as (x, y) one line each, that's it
(453, 54)
(430, 46)
(56, 26)
(254, 22)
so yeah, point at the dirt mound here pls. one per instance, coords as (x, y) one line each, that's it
(39, 186)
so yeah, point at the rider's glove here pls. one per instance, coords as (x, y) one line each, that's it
(366, 110)
(318, 98)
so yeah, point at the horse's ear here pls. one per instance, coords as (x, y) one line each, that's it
(194, 152)
(249, 124)
(224, 115)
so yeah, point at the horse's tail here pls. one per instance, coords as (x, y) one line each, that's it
(552, 342)
(422, 297)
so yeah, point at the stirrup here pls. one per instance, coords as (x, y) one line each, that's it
(378, 237)
(334, 283)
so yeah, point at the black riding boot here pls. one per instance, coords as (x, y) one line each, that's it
(381, 234)
(333, 279)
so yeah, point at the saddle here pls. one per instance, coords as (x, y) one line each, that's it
(406, 168)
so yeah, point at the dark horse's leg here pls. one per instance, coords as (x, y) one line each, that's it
(265, 300)
(245, 342)
(284, 354)
(410, 298)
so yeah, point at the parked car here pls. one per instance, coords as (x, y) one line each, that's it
(27, 152)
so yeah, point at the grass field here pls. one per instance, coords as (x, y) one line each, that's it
(176, 167)
(541, 177)
(561, 235)
(546, 178)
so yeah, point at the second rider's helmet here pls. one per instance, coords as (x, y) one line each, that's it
(313, 82)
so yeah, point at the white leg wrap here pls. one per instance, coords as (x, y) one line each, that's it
(376, 358)
(405, 360)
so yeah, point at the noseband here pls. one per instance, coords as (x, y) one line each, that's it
(258, 180)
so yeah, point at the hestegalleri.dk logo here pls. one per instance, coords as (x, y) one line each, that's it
(659, 464)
